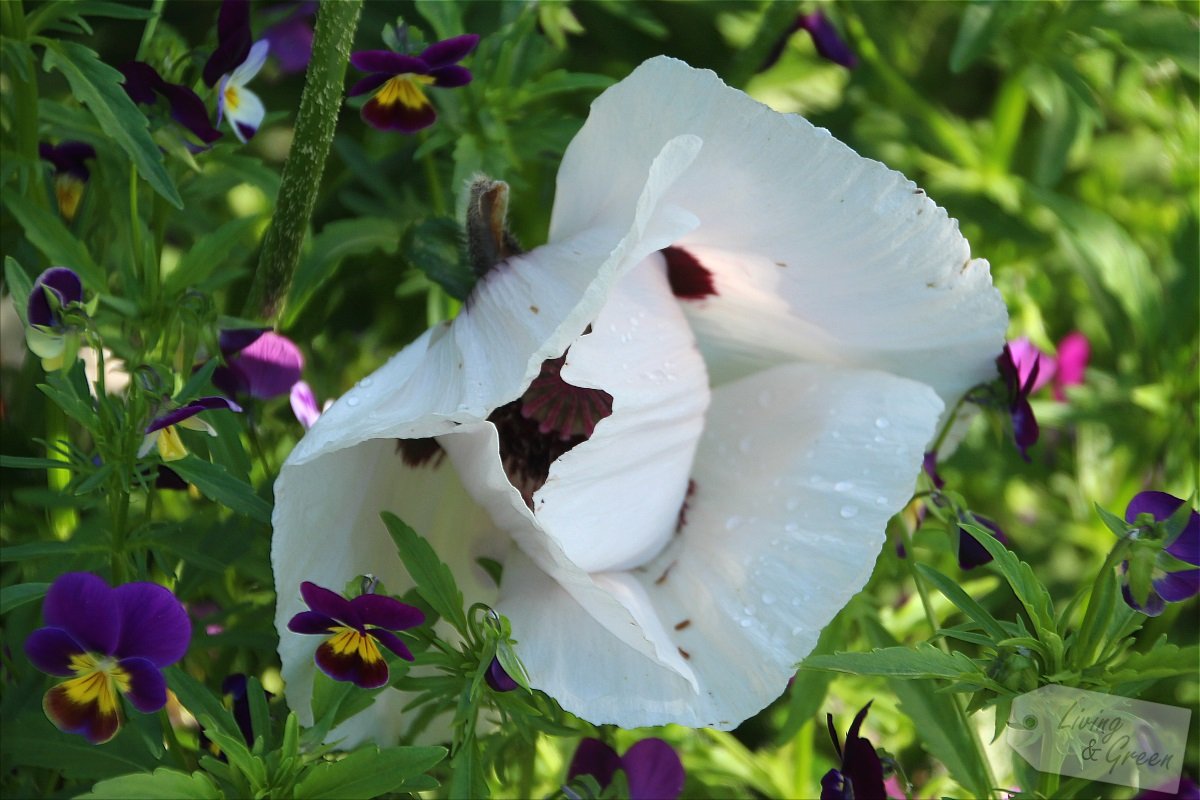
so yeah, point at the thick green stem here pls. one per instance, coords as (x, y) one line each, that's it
(315, 123)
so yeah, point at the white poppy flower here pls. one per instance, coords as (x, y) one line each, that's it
(242, 106)
(763, 330)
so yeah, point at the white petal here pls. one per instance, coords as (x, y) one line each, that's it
(817, 253)
(246, 115)
(245, 72)
(613, 501)
(770, 552)
(328, 531)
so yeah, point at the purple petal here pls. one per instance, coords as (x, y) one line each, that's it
(349, 666)
(154, 624)
(862, 769)
(84, 718)
(386, 612)
(398, 116)
(1186, 546)
(68, 157)
(1074, 351)
(829, 43)
(331, 604)
(392, 642)
(65, 285)
(228, 381)
(654, 770)
(929, 465)
(141, 83)
(449, 51)
(177, 415)
(50, 650)
(971, 553)
(594, 757)
(1027, 357)
(1160, 505)
(270, 366)
(1025, 426)
(312, 622)
(1175, 587)
(238, 339)
(368, 84)
(189, 111)
(234, 40)
(450, 77)
(147, 687)
(85, 607)
(388, 62)
(291, 44)
(835, 787)
(1154, 604)
(304, 404)
(498, 678)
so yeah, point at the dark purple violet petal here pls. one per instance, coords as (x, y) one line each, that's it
(238, 339)
(83, 718)
(177, 415)
(154, 624)
(386, 612)
(654, 770)
(1175, 587)
(929, 465)
(312, 622)
(1025, 426)
(233, 40)
(1154, 604)
(498, 678)
(141, 83)
(268, 367)
(392, 642)
(68, 157)
(65, 285)
(835, 787)
(147, 686)
(368, 84)
(971, 553)
(388, 62)
(828, 41)
(228, 381)
(236, 686)
(291, 44)
(833, 735)
(449, 51)
(84, 606)
(451, 77)
(397, 116)
(167, 478)
(331, 604)
(348, 666)
(1159, 505)
(189, 111)
(863, 770)
(594, 757)
(50, 650)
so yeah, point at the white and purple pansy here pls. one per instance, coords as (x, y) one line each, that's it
(109, 642)
(259, 363)
(398, 81)
(681, 426)
(355, 629)
(652, 768)
(161, 431)
(56, 293)
(233, 64)
(1174, 570)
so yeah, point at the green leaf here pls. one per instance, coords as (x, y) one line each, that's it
(981, 23)
(260, 715)
(234, 748)
(212, 252)
(19, 594)
(434, 580)
(432, 246)
(1162, 661)
(922, 661)
(963, 601)
(196, 698)
(367, 772)
(216, 483)
(162, 784)
(560, 80)
(33, 741)
(336, 242)
(1025, 585)
(1157, 32)
(98, 86)
(45, 230)
(73, 547)
(19, 286)
(21, 462)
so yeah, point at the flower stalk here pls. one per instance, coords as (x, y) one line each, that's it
(315, 123)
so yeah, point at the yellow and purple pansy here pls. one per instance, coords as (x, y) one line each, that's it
(358, 627)
(70, 172)
(161, 431)
(398, 82)
(108, 642)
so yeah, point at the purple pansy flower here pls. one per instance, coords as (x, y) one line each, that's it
(258, 362)
(108, 642)
(358, 626)
(1166, 585)
(971, 553)
(498, 678)
(400, 103)
(652, 767)
(860, 776)
(55, 292)
(161, 430)
(144, 85)
(825, 36)
(70, 172)
(291, 38)
(1017, 391)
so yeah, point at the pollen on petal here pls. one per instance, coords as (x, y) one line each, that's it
(690, 280)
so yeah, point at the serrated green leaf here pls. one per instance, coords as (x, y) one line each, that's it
(560, 80)
(45, 230)
(162, 784)
(434, 580)
(922, 661)
(19, 594)
(367, 772)
(260, 715)
(336, 242)
(1162, 661)
(1025, 585)
(98, 86)
(19, 286)
(216, 483)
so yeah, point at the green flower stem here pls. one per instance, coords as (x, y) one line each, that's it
(315, 123)
(118, 503)
(25, 98)
(802, 752)
(63, 520)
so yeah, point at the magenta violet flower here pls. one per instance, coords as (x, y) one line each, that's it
(399, 102)
(108, 642)
(144, 86)
(860, 775)
(1017, 391)
(258, 362)
(829, 43)
(651, 766)
(1171, 579)
(161, 431)
(56, 293)
(358, 626)
(1074, 351)
(498, 678)
(70, 172)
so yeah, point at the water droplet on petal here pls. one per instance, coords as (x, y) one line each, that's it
(352, 401)
(848, 512)
(768, 599)
(750, 610)
(881, 501)
(792, 527)
(365, 382)
(881, 423)
(732, 522)
(747, 622)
